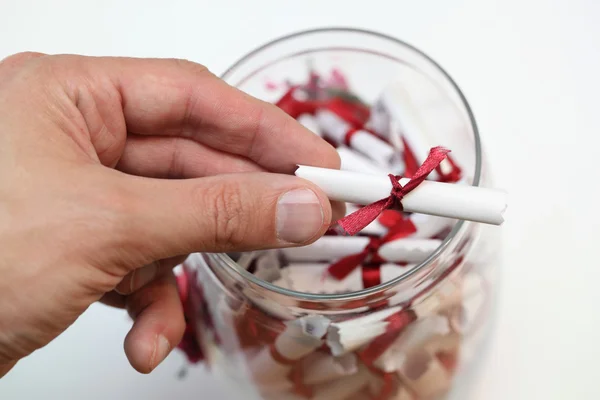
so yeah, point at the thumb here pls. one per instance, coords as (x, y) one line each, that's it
(240, 212)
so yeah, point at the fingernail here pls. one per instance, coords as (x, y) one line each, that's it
(299, 216)
(163, 347)
(143, 276)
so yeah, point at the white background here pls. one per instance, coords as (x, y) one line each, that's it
(530, 71)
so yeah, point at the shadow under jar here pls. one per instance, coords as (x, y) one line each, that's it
(306, 337)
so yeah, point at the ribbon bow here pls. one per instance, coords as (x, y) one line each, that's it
(369, 257)
(355, 222)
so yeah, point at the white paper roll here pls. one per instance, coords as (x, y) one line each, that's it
(379, 119)
(322, 367)
(310, 123)
(301, 337)
(371, 146)
(332, 125)
(346, 336)
(330, 248)
(376, 149)
(434, 381)
(429, 225)
(353, 161)
(313, 278)
(413, 337)
(434, 198)
(248, 257)
(326, 248)
(317, 368)
(268, 266)
(341, 389)
(409, 250)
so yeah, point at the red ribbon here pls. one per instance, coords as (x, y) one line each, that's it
(296, 375)
(355, 222)
(390, 384)
(280, 358)
(189, 343)
(453, 176)
(410, 160)
(371, 275)
(348, 136)
(294, 107)
(353, 113)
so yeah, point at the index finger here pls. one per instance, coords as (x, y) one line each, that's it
(181, 98)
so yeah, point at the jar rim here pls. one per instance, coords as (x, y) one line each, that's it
(458, 227)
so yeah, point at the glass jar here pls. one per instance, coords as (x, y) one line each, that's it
(412, 337)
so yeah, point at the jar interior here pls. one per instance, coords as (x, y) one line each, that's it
(367, 63)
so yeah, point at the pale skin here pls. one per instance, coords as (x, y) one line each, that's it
(112, 170)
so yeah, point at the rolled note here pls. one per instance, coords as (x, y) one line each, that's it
(330, 248)
(449, 200)
(370, 145)
(268, 267)
(342, 388)
(413, 337)
(317, 368)
(302, 277)
(322, 367)
(346, 336)
(353, 161)
(310, 123)
(300, 338)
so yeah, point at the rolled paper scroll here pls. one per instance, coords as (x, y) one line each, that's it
(414, 336)
(313, 278)
(268, 267)
(470, 203)
(301, 337)
(380, 119)
(322, 367)
(447, 344)
(396, 100)
(347, 336)
(248, 257)
(353, 161)
(341, 389)
(310, 123)
(330, 248)
(317, 368)
(425, 375)
(428, 225)
(341, 132)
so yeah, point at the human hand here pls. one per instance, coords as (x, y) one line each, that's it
(86, 211)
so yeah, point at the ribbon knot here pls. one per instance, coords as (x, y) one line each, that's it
(369, 256)
(397, 192)
(355, 222)
(370, 251)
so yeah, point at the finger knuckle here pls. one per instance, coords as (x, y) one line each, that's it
(19, 58)
(229, 216)
(190, 66)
